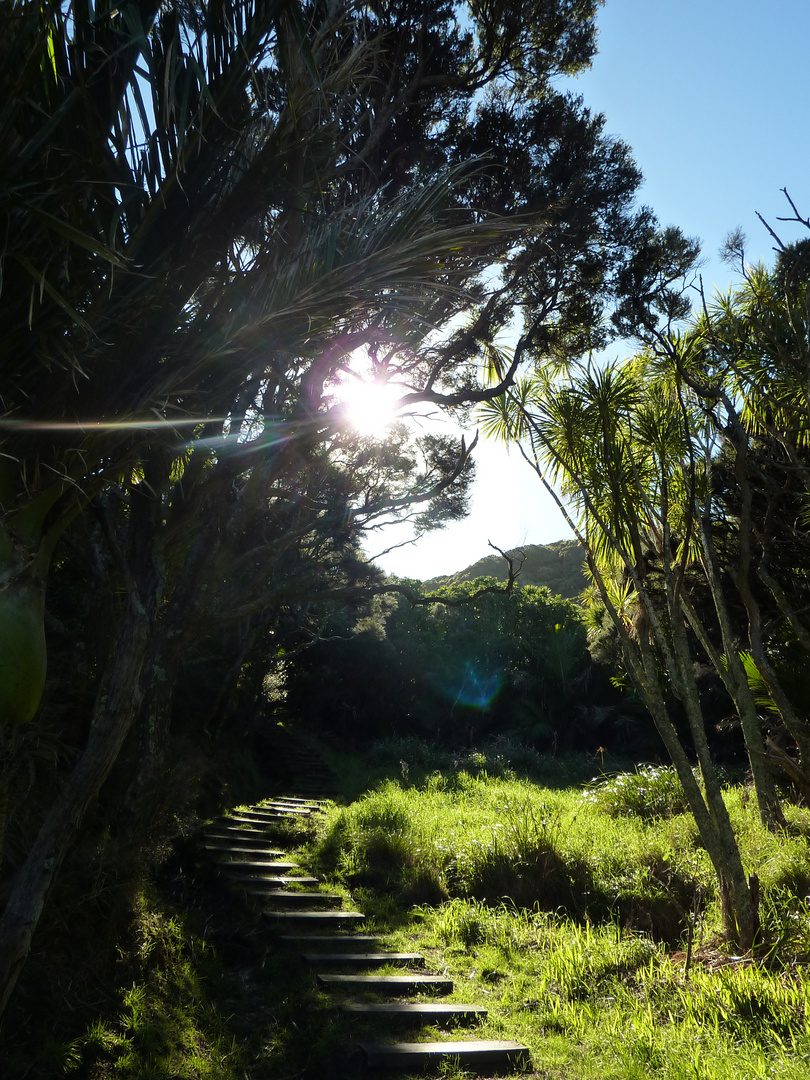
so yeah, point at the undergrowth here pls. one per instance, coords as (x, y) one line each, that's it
(566, 911)
(588, 853)
(167, 1025)
(568, 915)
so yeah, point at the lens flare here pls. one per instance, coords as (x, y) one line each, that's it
(474, 688)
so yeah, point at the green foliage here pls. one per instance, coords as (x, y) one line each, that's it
(596, 999)
(477, 661)
(557, 567)
(652, 791)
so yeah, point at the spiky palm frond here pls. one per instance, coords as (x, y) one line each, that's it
(196, 153)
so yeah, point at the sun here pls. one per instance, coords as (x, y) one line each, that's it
(370, 406)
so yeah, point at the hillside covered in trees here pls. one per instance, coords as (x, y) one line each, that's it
(558, 567)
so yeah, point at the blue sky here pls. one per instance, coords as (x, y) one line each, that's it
(714, 99)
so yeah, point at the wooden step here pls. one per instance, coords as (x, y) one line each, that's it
(264, 871)
(429, 1012)
(273, 813)
(251, 824)
(260, 885)
(269, 865)
(254, 847)
(236, 832)
(474, 1054)
(231, 831)
(330, 939)
(316, 918)
(285, 800)
(296, 800)
(369, 959)
(255, 822)
(249, 846)
(391, 984)
(292, 896)
(259, 855)
(258, 871)
(233, 838)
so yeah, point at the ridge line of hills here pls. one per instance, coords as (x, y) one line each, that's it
(558, 566)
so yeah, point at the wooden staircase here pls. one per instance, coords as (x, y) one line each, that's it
(313, 923)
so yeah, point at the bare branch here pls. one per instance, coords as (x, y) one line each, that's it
(435, 598)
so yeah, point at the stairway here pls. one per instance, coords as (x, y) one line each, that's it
(312, 922)
(306, 775)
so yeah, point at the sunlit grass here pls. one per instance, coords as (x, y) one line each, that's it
(510, 839)
(476, 837)
(582, 953)
(565, 915)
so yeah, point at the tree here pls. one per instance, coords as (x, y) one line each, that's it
(209, 209)
(747, 360)
(468, 659)
(618, 446)
(685, 466)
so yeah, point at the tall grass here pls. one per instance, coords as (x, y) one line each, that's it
(506, 839)
(509, 840)
(599, 1001)
(567, 913)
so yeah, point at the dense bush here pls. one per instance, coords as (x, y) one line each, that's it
(650, 792)
(504, 840)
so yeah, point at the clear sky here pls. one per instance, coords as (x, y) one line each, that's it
(713, 96)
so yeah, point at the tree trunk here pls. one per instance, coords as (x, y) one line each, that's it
(736, 683)
(115, 709)
(143, 794)
(738, 900)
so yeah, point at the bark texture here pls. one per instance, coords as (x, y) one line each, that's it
(115, 710)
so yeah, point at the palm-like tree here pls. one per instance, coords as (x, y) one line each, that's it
(622, 448)
(754, 371)
(687, 464)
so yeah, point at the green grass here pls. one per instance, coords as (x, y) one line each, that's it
(563, 909)
(168, 1024)
(566, 913)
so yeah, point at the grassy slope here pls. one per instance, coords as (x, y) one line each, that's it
(588, 968)
(560, 907)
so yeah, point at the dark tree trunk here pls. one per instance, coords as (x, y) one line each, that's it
(116, 706)
(115, 710)
(153, 732)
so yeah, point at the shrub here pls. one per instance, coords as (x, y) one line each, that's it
(523, 861)
(651, 792)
